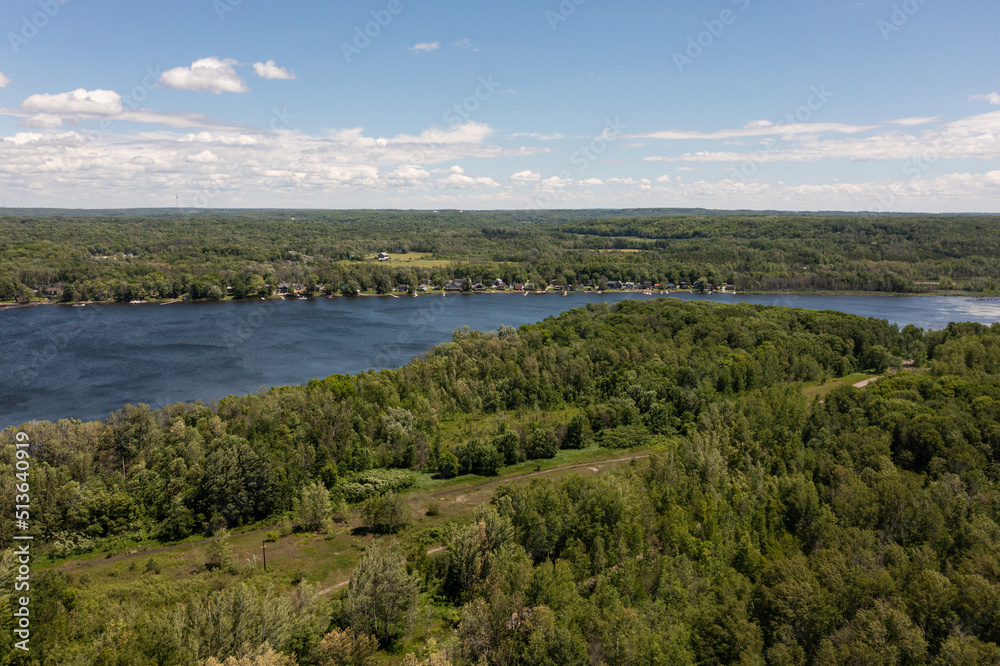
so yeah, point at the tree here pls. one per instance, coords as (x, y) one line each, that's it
(479, 458)
(541, 443)
(576, 433)
(385, 513)
(262, 656)
(343, 647)
(508, 444)
(382, 596)
(219, 553)
(312, 507)
(236, 483)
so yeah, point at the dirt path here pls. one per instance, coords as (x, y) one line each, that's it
(866, 382)
(465, 489)
(430, 551)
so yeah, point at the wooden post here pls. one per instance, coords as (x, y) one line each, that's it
(263, 547)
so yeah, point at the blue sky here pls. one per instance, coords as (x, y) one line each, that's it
(796, 105)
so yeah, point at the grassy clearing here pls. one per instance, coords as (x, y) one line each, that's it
(816, 391)
(156, 580)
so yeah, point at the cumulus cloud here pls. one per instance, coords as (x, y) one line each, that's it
(43, 121)
(408, 174)
(204, 157)
(270, 70)
(79, 101)
(459, 180)
(972, 137)
(223, 166)
(525, 177)
(425, 47)
(592, 182)
(212, 75)
(4, 81)
(993, 98)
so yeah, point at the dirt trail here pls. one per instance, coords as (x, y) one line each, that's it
(865, 383)
(465, 489)
(430, 551)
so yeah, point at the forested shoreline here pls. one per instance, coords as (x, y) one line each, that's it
(247, 254)
(769, 525)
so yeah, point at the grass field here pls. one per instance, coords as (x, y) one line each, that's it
(155, 580)
(820, 391)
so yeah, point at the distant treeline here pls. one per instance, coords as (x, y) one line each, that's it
(247, 254)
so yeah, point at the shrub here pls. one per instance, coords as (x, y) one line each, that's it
(377, 482)
(623, 437)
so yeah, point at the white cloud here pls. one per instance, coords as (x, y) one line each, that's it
(554, 183)
(912, 122)
(43, 121)
(993, 98)
(759, 128)
(425, 47)
(408, 174)
(525, 177)
(4, 81)
(592, 181)
(269, 70)
(459, 180)
(973, 137)
(204, 157)
(206, 75)
(80, 101)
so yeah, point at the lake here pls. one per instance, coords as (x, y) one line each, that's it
(84, 362)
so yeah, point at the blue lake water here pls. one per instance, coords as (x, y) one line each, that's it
(84, 362)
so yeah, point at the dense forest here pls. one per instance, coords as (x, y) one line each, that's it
(243, 254)
(770, 523)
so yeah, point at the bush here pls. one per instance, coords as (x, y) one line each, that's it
(623, 437)
(448, 465)
(377, 482)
